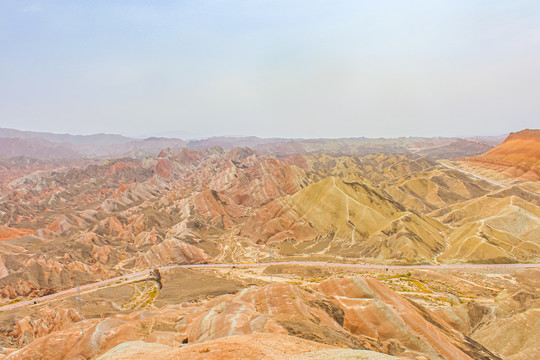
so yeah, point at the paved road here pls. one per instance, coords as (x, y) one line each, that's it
(140, 275)
(473, 174)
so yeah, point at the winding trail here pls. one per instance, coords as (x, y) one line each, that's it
(470, 173)
(141, 275)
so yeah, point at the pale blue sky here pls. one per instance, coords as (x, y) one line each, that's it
(309, 68)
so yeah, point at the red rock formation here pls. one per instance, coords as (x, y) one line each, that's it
(121, 166)
(42, 276)
(121, 189)
(7, 233)
(255, 181)
(277, 222)
(213, 206)
(518, 157)
(172, 251)
(52, 319)
(101, 254)
(373, 310)
(164, 168)
(186, 156)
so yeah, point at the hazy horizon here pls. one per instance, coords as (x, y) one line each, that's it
(287, 69)
(193, 137)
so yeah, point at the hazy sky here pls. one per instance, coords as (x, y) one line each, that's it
(306, 68)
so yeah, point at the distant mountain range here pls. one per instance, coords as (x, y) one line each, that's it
(44, 145)
(97, 139)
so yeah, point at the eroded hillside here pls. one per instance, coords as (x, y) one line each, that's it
(198, 313)
(74, 225)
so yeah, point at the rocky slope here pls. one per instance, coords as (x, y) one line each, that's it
(414, 315)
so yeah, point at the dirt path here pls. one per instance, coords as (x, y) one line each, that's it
(470, 173)
(145, 273)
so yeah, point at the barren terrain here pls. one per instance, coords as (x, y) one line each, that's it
(428, 215)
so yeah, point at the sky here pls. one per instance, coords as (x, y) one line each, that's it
(270, 68)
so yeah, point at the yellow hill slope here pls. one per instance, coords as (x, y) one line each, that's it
(354, 219)
(491, 229)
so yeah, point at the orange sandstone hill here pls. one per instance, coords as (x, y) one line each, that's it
(8, 233)
(517, 157)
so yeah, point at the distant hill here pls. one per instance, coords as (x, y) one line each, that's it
(458, 148)
(97, 139)
(37, 148)
(43, 145)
